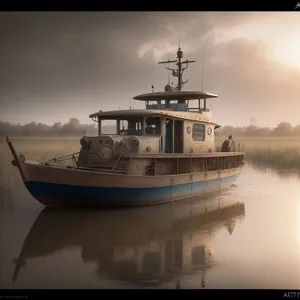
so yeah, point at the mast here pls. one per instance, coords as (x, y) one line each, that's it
(179, 71)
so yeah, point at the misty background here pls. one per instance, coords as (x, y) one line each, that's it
(62, 66)
(74, 128)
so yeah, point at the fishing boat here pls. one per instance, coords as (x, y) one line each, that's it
(162, 153)
(156, 245)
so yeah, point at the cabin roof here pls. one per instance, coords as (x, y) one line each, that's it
(192, 116)
(175, 95)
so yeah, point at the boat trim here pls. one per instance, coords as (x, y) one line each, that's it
(190, 116)
(174, 95)
(185, 155)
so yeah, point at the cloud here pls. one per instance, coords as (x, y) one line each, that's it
(156, 50)
(86, 61)
(251, 84)
(194, 31)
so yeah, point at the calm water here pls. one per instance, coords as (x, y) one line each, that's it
(245, 237)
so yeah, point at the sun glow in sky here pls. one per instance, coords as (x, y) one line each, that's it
(287, 50)
(281, 35)
(279, 32)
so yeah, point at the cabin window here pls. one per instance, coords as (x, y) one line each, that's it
(198, 132)
(108, 126)
(153, 126)
(130, 126)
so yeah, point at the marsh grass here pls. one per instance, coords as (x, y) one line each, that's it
(257, 143)
(39, 149)
(282, 159)
(280, 153)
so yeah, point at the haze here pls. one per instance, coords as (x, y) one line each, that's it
(59, 65)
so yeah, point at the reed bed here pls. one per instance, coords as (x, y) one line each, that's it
(280, 153)
(40, 149)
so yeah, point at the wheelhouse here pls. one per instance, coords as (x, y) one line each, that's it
(171, 131)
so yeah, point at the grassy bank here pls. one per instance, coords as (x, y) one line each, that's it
(40, 149)
(257, 143)
(283, 159)
(280, 153)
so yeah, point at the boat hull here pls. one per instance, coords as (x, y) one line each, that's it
(57, 186)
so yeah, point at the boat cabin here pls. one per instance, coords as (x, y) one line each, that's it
(160, 138)
(167, 125)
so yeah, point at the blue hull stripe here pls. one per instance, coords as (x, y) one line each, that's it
(52, 194)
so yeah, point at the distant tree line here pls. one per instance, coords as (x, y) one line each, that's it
(283, 129)
(74, 128)
(71, 128)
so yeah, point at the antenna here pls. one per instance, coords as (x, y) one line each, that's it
(179, 71)
(169, 71)
(152, 68)
(152, 75)
(201, 73)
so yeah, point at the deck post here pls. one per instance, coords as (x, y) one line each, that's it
(144, 126)
(118, 126)
(99, 126)
(219, 173)
(173, 136)
(16, 162)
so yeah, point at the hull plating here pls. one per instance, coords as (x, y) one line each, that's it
(55, 194)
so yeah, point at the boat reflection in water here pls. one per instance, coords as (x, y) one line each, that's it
(141, 246)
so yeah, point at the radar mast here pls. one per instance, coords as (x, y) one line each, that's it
(180, 69)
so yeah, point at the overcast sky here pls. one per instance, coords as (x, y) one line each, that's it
(58, 65)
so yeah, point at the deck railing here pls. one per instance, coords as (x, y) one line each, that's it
(239, 147)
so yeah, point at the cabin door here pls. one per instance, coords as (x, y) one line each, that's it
(169, 136)
(178, 137)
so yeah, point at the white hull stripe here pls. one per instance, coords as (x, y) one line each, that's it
(40, 173)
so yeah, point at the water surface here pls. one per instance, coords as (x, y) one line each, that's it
(247, 236)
